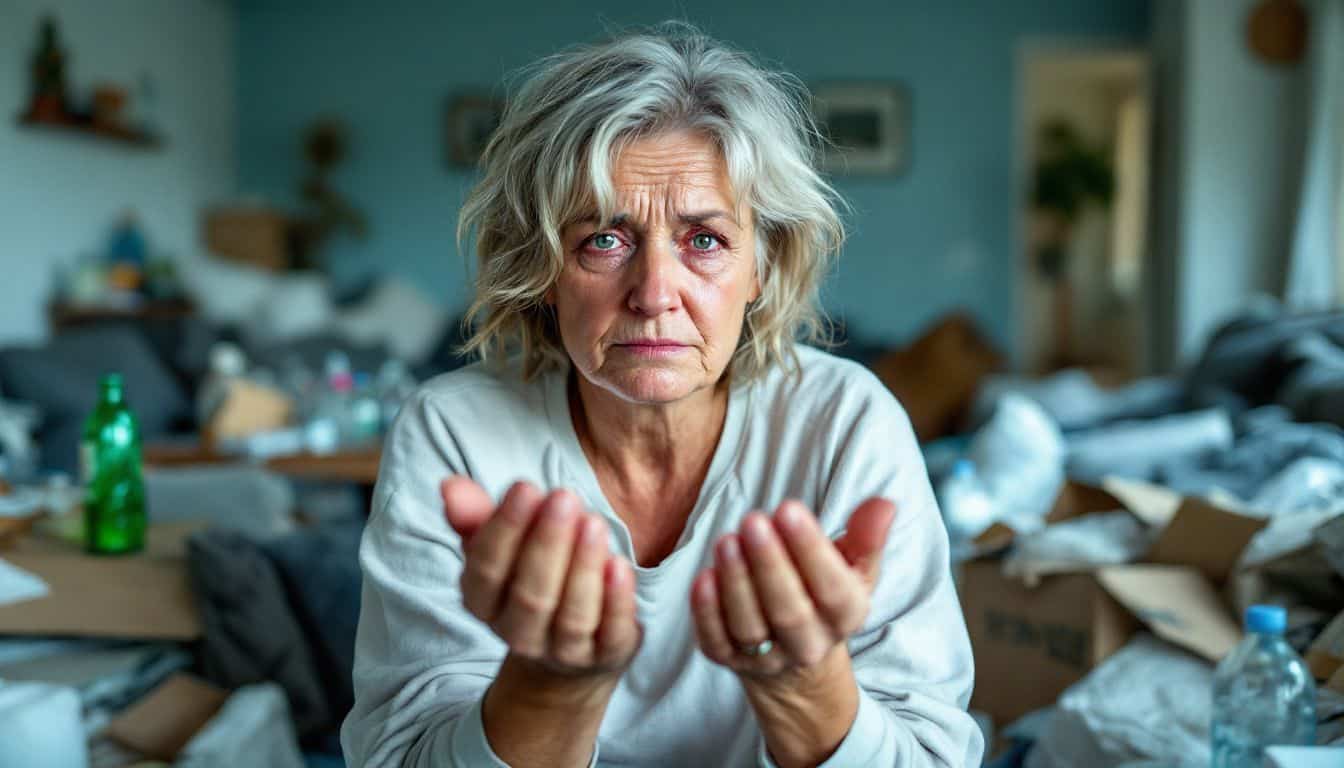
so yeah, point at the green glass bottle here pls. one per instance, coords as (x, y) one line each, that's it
(114, 500)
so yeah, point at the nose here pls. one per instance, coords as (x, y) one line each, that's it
(654, 288)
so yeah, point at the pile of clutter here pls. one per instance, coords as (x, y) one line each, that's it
(261, 413)
(1108, 542)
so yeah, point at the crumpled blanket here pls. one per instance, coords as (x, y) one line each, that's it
(282, 610)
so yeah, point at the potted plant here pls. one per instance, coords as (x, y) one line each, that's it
(1069, 176)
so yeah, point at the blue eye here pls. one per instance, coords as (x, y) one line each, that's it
(704, 242)
(605, 241)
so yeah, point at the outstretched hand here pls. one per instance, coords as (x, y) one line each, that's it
(781, 595)
(539, 573)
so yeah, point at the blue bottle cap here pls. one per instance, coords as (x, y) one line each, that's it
(963, 468)
(1266, 619)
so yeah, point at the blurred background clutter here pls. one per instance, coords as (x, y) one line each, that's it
(1097, 251)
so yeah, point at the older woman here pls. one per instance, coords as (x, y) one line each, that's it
(569, 560)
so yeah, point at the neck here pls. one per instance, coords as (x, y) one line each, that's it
(642, 444)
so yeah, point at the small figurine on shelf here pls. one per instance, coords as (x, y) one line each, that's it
(329, 212)
(126, 255)
(47, 102)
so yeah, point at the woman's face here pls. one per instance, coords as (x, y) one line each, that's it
(650, 304)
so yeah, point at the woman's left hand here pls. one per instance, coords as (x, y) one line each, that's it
(781, 581)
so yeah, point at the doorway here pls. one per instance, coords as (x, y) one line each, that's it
(1083, 150)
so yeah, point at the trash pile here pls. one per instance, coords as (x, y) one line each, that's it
(1107, 544)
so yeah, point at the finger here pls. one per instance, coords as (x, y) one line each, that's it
(466, 505)
(742, 614)
(493, 549)
(866, 535)
(539, 576)
(836, 589)
(579, 614)
(710, 631)
(619, 636)
(794, 621)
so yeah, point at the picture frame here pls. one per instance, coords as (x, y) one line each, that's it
(867, 126)
(470, 120)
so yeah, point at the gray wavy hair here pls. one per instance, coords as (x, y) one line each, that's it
(550, 162)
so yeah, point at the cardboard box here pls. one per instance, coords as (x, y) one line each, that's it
(937, 375)
(1033, 642)
(255, 236)
(248, 408)
(1325, 657)
(164, 721)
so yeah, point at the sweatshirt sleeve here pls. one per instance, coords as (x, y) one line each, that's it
(912, 657)
(422, 661)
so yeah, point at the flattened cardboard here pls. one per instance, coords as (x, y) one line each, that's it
(1153, 504)
(1077, 499)
(1325, 657)
(1207, 537)
(146, 595)
(1177, 603)
(1336, 681)
(163, 722)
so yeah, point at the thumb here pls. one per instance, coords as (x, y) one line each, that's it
(466, 505)
(865, 535)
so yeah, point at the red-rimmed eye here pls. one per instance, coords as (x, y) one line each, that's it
(604, 241)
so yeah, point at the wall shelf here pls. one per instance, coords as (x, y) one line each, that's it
(77, 126)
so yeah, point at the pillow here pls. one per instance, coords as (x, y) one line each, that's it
(61, 379)
(398, 314)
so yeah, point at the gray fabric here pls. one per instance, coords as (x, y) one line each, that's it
(61, 379)
(250, 633)
(320, 570)
(312, 351)
(244, 498)
(1139, 449)
(1073, 399)
(1267, 356)
(1270, 445)
(1314, 391)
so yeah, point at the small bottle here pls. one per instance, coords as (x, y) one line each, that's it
(395, 384)
(1263, 694)
(114, 498)
(365, 415)
(967, 508)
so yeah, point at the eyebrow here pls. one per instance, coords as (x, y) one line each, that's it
(693, 217)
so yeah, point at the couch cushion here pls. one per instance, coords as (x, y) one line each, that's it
(61, 379)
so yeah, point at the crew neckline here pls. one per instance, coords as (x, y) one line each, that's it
(580, 471)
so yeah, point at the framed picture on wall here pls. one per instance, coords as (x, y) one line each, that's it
(469, 122)
(868, 125)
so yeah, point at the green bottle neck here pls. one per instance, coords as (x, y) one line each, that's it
(113, 393)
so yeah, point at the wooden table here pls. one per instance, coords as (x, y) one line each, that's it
(355, 465)
(144, 595)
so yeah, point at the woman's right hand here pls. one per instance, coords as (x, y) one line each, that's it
(539, 573)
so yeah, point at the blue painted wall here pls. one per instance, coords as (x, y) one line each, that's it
(936, 238)
(60, 195)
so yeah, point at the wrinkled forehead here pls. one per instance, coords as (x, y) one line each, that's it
(663, 176)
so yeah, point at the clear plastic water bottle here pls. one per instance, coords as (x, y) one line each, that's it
(967, 508)
(1263, 694)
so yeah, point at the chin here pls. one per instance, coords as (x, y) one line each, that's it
(650, 385)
